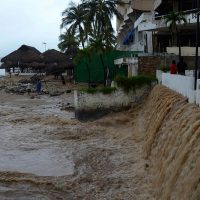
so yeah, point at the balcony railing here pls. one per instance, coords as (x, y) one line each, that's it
(159, 21)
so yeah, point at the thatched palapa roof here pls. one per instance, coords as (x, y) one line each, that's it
(57, 59)
(25, 54)
(52, 55)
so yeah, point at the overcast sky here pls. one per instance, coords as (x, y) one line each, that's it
(30, 22)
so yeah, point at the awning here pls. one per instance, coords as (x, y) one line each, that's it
(129, 37)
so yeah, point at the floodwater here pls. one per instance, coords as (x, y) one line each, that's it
(172, 144)
(151, 151)
(24, 145)
(47, 154)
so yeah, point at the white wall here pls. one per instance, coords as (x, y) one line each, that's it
(183, 85)
(185, 51)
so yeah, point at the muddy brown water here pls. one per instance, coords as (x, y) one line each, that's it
(148, 152)
(172, 144)
(47, 154)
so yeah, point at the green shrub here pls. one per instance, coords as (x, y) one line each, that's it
(190, 67)
(128, 84)
(164, 68)
(104, 90)
(107, 90)
(89, 90)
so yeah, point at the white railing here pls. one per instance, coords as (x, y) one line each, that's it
(183, 85)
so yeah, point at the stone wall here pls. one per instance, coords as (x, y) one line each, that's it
(148, 64)
(92, 106)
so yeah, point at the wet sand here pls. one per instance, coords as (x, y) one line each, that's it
(47, 154)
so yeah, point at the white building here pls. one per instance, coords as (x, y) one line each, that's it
(144, 25)
(129, 36)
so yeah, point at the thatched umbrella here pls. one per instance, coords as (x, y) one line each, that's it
(54, 56)
(25, 54)
(56, 62)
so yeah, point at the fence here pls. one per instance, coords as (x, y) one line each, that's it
(183, 85)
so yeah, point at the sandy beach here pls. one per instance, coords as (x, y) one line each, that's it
(45, 153)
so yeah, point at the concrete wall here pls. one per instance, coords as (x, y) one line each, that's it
(159, 74)
(183, 85)
(91, 106)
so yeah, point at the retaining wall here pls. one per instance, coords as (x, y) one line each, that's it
(93, 106)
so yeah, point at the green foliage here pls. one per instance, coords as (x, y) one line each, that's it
(68, 41)
(90, 20)
(191, 67)
(74, 20)
(172, 20)
(175, 18)
(104, 90)
(128, 84)
(164, 68)
(107, 90)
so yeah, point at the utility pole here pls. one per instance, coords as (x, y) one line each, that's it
(197, 47)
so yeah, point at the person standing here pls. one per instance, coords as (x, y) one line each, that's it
(173, 67)
(181, 66)
(29, 88)
(62, 79)
(38, 86)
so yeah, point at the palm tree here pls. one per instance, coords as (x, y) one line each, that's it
(90, 21)
(100, 14)
(68, 41)
(173, 19)
(101, 48)
(74, 17)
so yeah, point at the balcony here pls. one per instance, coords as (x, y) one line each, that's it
(159, 22)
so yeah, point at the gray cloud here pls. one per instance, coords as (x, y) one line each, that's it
(30, 22)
